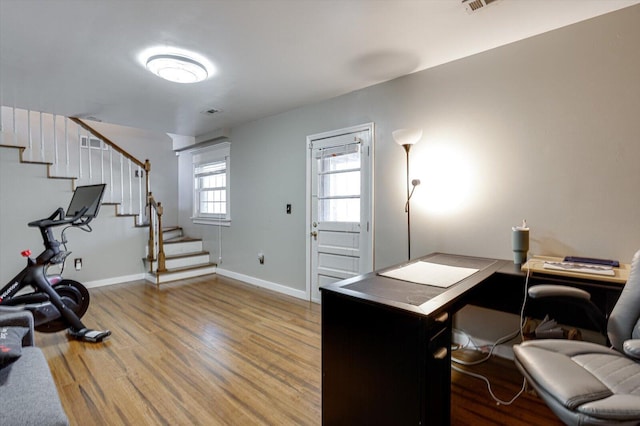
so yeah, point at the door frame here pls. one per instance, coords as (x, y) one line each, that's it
(370, 127)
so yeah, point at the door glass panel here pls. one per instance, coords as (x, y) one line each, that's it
(339, 210)
(339, 162)
(339, 184)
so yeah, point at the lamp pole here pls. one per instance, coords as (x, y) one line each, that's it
(407, 207)
(405, 138)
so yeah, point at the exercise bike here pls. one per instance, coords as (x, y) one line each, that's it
(55, 302)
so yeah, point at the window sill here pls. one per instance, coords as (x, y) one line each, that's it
(216, 222)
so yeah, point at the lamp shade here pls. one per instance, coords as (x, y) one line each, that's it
(177, 68)
(407, 136)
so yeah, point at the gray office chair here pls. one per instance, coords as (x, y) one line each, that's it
(585, 383)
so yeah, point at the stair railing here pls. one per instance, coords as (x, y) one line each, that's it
(153, 208)
(124, 180)
(72, 149)
(87, 157)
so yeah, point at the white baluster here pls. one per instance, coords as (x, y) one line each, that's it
(55, 144)
(89, 156)
(66, 144)
(41, 139)
(111, 174)
(30, 143)
(79, 154)
(122, 181)
(102, 144)
(130, 188)
(140, 209)
(15, 131)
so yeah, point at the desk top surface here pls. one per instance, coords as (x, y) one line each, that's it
(536, 265)
(419, 298)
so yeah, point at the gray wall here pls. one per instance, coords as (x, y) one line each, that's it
(544, 129)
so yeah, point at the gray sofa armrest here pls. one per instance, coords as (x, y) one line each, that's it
(10, 316)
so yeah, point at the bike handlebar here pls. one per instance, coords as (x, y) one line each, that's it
(50, 222)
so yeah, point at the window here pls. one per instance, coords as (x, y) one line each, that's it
(92, 143)
(211, 185)
(339, 183)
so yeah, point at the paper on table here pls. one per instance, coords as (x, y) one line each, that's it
(427, 273)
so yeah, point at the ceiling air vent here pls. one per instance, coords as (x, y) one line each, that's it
(210, 111)
(475, 5)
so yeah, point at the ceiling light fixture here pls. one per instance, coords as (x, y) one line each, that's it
(177, 68)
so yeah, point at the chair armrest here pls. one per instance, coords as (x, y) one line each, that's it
(550, 290)
(573, 296)
(20, 318)
(631, 348)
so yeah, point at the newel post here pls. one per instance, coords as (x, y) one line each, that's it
(151, 251)
(161, 257)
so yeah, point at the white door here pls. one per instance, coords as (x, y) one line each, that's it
(340, 238)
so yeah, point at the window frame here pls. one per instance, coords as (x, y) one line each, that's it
(214, 154)
(91, 142)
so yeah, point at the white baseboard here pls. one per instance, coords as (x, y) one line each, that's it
(279, 288)
(114, 280)
(300, 294)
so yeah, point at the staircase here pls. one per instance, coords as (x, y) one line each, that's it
(71, 149)
(185, 257)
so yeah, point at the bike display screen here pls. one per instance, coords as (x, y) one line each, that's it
(86, 196)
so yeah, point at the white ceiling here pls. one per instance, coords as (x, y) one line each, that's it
(80, 58)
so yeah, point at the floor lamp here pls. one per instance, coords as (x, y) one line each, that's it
(406, 138)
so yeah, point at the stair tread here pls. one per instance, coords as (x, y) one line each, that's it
(182, 240)
(171, 228)
(44, 163)
(62, 177)
(186, 268)
(185, 255)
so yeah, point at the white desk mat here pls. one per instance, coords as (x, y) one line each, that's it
(427, 273)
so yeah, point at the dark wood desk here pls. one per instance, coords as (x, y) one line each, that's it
(386, 346)
(386, 343)
(505, 291)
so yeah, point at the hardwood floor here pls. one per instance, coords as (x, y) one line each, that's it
(473, 405)
(214, 351)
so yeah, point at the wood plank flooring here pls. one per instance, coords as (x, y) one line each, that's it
(215, 351)
(472, 404)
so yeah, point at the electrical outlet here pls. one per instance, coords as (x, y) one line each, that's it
(288, 208)
(77, 262)
(261, 258)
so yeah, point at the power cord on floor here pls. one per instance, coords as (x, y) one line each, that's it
(500, 341)
(488, 383)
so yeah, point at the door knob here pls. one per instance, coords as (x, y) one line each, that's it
(314, 234)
